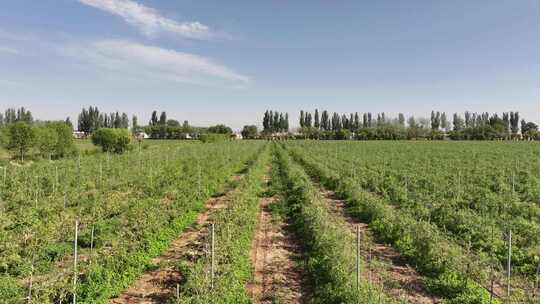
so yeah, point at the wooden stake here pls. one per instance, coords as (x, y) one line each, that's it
(536, 280)
(92, 242)
(513, 183)
(358, 242)
(509, 264)
(75, 262)
(30, 285)
(100, 175)
(491, 288)
(213, 255)
(55, 178)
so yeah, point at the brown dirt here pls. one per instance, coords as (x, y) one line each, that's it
(276, 277)
(158, 285)
(398, 279)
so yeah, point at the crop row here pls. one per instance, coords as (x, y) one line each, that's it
(234, 228)
(128, 207)
(477, 215)
(329, 247)
(447, 267)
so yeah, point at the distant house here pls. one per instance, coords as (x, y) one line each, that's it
(141, 135)
(280, 135)
(237, 136)
(79, 135)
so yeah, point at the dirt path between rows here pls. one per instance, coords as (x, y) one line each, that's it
(398, 279)
(276, 275)
(158, 285)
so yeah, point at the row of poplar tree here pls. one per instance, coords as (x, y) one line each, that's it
(13, 115)
(470, 126)
(91, 119)
(275, 122)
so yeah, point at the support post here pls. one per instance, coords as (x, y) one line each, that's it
(509, 264)
(75, 262)
(92, 243)
(30, 284)
(358, 257)
(213, 253)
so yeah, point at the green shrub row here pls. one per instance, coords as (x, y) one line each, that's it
(450, 271)
(234, 231)
(329, 247)
(136, 203)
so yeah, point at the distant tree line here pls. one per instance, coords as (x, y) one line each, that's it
(472, 126)
(275, 122)
(13, 115)
(159, 126)
(163, 128)
(20, 134)
(92, 119)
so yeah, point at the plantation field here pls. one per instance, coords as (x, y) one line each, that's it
(84, 146)
(275, 222)
(128, 208)
(447, 207)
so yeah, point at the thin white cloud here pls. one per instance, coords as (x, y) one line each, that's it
(8, 50)
(149, 20)
(9, 83)
(139, 61)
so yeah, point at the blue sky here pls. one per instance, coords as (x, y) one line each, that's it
(227, 61)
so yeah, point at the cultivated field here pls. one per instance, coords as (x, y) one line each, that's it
(275, 222)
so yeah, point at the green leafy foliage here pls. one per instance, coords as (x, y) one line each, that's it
(330, 260)
(112, 140)
(213, 137)
(19, 138)
(249, 132)
(135, 203)
(234, 231)
(447, 207)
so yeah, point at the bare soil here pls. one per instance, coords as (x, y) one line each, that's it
(276, 275)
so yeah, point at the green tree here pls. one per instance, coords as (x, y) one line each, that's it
(266, 122)
(163, 118)
(173, 123)
(444, 121)
(220, 129)
(125, 121)
(134, 124)
(69, 123)
(401, 119)
(514, 122)
(112, 140)
(154, 119)
(46, 141)
(458, 122)
(186, 128)
(64, 133)
(249, 132)
(529, 130)
(324, 121)
(19, 138)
